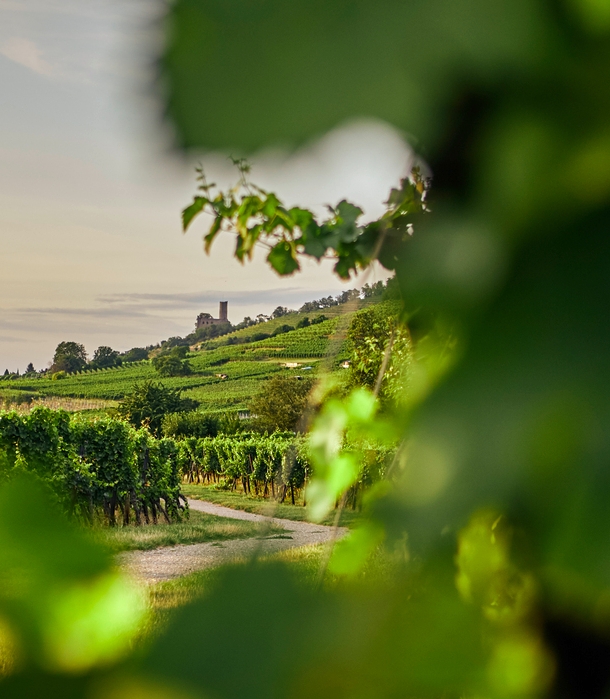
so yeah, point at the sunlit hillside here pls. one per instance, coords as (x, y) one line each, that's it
(227, 372)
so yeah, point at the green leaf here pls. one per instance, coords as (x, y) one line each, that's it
(323, 492)
(247, 241)
(270, 205)
(302, 218)
(212, 233)
(351, 553)
(282, 257)
(314, 240)
(69, 609)
(192, 211)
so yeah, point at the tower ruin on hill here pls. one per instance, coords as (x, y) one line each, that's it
(205, 319)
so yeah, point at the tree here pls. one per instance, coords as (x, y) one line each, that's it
(208, 332)
(245, 323)
(150, 402)
(280, 311)
(282, 403)
(30, 369)
(105, 357)
(259, 336)
(371, 290)
(69, 357)
(170, 365)
(281, 329)
(173, 363)
(135, 354)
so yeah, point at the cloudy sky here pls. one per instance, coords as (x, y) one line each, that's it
(91, 191)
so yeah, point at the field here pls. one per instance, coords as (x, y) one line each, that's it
(226, 372)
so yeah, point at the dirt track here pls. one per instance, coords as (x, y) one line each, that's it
(173, 561)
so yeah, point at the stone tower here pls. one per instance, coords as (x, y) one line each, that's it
(223, 313)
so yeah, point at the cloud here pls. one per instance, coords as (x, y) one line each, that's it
(26, 53)
(196, 299)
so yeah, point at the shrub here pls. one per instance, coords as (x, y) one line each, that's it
(150, 402)
(282, 329)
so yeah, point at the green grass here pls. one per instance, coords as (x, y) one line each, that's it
(249, 503)
(199, 528)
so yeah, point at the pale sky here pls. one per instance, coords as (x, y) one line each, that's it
(91, 248)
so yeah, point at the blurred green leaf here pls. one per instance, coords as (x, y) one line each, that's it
(331, 61)
(519, 425)
(594, 14)
(66, 606)
(191, 211)
(351, 553)
(282, 257)
(365, 644)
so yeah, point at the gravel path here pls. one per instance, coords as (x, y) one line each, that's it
(173, 561)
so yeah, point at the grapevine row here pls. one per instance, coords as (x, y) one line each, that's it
(101, 467)
(104, 467)
(267, 465)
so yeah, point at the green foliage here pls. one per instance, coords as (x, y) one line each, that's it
(372, 635)
(208, 332)
(508, 101)
(150, 402)
(170, 365)
(282, 403)
(379, 341)
(282, 329)
(136, 354)
(339, 445)
(68, 608)
(105, 357)
(173, 362)
(258, 217)
(405, 84)
(69, 357)
(191, 424)
(93, 465)
(273, 465)
(280, 311)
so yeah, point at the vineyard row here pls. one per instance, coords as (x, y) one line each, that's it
(104, 467)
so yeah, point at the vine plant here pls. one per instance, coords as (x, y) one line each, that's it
(258, 217)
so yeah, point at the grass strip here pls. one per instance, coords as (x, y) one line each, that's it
(198, 528)
(261, 506)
